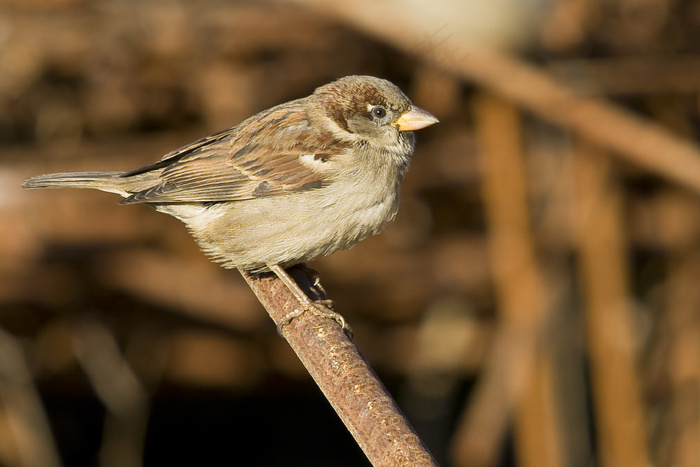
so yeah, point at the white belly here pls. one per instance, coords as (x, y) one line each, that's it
(286, 229)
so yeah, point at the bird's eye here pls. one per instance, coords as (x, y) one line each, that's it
(379, 112)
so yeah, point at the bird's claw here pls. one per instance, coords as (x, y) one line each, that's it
(322, 308)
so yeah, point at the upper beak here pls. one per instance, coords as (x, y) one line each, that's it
(415, 119)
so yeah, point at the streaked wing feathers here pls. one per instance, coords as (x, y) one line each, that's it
(260, 157)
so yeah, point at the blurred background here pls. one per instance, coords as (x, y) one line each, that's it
(536, 302)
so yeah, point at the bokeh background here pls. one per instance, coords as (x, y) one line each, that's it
(536, 302)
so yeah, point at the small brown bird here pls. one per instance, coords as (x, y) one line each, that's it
(292, 183)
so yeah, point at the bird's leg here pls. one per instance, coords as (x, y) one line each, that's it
(316, 283)
(319, 309)
(313, 274)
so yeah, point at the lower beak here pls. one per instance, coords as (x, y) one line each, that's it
(415, 119)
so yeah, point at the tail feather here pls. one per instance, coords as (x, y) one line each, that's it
(112, 182)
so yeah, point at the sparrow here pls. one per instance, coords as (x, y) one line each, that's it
(292, 183)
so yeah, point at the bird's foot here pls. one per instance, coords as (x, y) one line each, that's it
(322, 308)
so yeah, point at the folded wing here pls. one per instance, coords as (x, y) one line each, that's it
(263, 156)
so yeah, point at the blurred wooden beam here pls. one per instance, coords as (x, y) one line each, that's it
(21, 406)
(525, 366)
(679, 435)
(196, 289)
(622, 428)
(630, 75)
(673, 360)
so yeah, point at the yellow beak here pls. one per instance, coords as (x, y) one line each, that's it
(415, 119)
